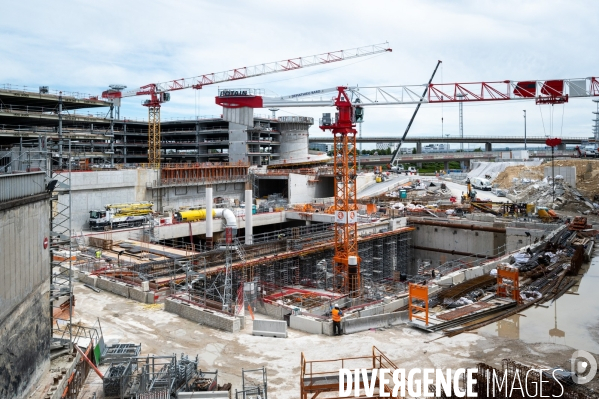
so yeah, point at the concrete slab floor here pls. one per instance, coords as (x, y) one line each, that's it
(162, 333)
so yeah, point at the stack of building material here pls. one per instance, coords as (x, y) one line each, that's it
(579, 223)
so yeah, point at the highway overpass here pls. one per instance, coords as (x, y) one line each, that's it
(455, 156)
(486, 140)
(465, 139)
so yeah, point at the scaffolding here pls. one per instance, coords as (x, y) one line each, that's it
(62, 299)
(276, 262)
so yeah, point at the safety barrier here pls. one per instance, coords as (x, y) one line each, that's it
(270, 328)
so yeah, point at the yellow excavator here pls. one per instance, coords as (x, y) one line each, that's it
(470, 193)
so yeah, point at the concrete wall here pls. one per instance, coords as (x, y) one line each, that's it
(118, 288)
(476, 242)
(94, 190)
(24, 296)
(299, 191)
(351, 326)
(237, 140)
(516, 237)
(568, 172)
(274, 311)
(203, 316)
(176, 197)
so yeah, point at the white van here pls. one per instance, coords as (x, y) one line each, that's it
(481, 184)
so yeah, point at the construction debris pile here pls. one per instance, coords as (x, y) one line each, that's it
(566, 197)
(529, 184)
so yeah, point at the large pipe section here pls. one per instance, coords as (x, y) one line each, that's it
(249, 208)
(472, 227)
(203, 214)
(209, 228)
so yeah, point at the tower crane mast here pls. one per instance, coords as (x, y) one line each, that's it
(160, 92)
(346, 262)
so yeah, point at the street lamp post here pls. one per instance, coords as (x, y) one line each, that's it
(524, 129)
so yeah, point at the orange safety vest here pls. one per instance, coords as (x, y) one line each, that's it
(336, 315)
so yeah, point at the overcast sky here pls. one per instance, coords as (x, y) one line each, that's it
(84, 46)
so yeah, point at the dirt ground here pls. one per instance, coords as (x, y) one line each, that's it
(587, 174)
(162, 333)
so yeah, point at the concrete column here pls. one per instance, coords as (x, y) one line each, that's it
(197, 142)
(488, 147)
(418, 147)
(124, 142)
(249, 234)
(446, 165)
(209, 226)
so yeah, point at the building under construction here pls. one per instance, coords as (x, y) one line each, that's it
(264, 239)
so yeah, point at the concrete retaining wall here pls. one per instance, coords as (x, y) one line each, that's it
(567, 172)
(276, 312)
(202, 316)
(24, 286)
(451, 239)
(122, 289)
(114, 287)
(305, 324)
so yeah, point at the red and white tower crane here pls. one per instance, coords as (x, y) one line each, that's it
(160, 92)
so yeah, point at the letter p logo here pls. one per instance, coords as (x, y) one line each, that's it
(583, 363)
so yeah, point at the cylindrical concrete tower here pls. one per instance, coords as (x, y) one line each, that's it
(294, 138)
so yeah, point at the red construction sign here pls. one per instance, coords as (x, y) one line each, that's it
(229, 235)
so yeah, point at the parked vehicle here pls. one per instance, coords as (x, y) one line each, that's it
(120, 215)
(481, 184)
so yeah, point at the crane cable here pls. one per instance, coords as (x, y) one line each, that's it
(542, 120)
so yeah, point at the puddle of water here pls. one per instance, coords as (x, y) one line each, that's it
(572, 320)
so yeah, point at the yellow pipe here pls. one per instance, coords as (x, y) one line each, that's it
(193, 215)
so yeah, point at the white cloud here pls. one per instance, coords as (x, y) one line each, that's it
(83, 46)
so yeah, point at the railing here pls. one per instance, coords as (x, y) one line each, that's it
(67, 94)
(29, 109)
(14, 186)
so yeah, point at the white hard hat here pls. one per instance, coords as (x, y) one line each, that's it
(336, 305)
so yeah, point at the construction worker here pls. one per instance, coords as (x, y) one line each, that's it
(98, 254)
(336, 314)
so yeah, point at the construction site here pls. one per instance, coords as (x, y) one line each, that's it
(211, 257)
